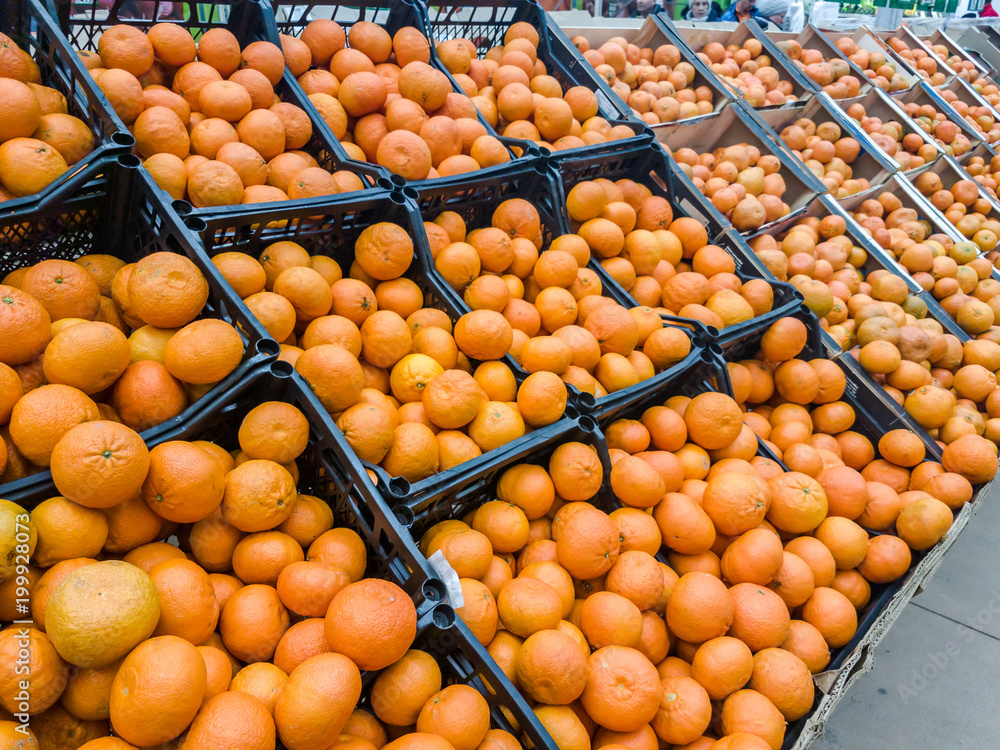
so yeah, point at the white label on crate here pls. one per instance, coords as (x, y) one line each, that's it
(452, 586)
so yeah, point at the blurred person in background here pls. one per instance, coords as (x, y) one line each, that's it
(773, 10)
(761, 11)
(702, 11)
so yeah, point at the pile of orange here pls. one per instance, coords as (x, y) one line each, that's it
(411, 390)
(834, 74)
(827, 153)
(39, 139)
(206, 117)
(97, 339)
(515, 94)
(663, 262)
(919, 59)
(963, 207)
(954, 272)
(744, 184)
(656, 84)
(960, 66)
(944, 130)
(747, 69)
(878, 66)
(256, 628)
(821, 260)
(549, 305)
(985, 173)
(983, 86)
(910, 150)
(947, 386)
(386, 104)
(766, 568)
(978, 116)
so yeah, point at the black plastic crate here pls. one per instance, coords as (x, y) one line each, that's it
(323, 471)
(464, 661)
(475, 200)
(651, 167)
(247, 20)
(110, 208)
(484, 23)
(331, 229)
(874, 416)
(708, 375)
(290, 18)
(29, 25)
(870, 395)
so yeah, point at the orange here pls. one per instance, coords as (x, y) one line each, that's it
(317, 701)
(747, 711)
(45, 676)
(576, 471)
(23, 314)
(528, 605)
(887, 558)
(713, 420)
(684, 711)
(700, 608)
(684, 525)
(401, 690)
(413, 453)
(351, 618)
(798, 503)
(100, 465)
(636, 576)
(66, 530)
(610, 619)
(274, 431)
(253, 622)
(184, 484)
(260, 557)
(72, 621)
(384, 251)
(722, 666)
(258, 495)
(623, 691)
(307, 588)
(167, 290)
(406, 154)
(588, 544)
(459, 714)
(167, 672)
(63, 288)
(232, 719)
(188, 607)
(832, 614)
(301, 641)
(262, 680)
(564, 726)
(784, 679)
(735, 502)
(552, 668)
(88, 693)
